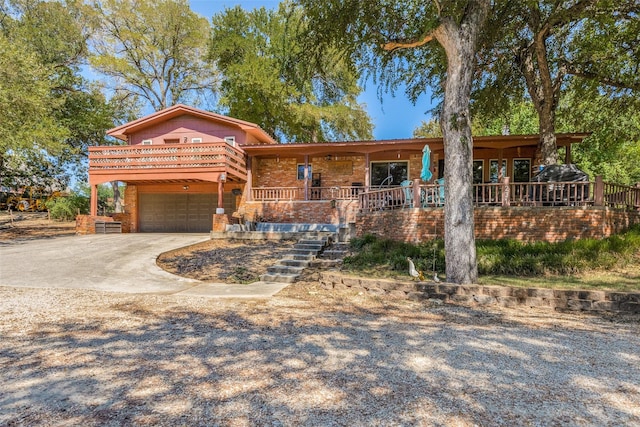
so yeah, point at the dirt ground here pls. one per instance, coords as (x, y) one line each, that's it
(306, 357)
(32, 225)
(224, 261)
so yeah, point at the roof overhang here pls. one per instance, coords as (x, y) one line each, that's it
(413, 144)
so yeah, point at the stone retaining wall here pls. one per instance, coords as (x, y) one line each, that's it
(572, 300)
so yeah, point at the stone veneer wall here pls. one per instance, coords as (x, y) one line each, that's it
(555, 299)
(550, 224)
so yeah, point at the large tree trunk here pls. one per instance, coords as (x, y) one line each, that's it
(459, 43)
(547, 152)
(544, 92)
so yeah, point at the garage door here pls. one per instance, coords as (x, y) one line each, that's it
(178, 212)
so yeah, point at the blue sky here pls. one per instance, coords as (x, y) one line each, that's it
(394, 117)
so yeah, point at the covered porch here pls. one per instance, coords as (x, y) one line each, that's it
(345, 170)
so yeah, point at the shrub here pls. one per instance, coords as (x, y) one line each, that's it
(500, 257)
(66, 208)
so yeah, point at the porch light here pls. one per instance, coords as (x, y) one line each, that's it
(185, 187)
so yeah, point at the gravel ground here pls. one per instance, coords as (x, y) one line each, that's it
(308, 357)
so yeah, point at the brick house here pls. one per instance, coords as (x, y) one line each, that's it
(189, 170)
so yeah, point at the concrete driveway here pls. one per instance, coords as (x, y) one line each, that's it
(113, 263)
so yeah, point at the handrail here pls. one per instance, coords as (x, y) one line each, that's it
(220, 156)
(314, 193)
(510, 194)
(621, 196)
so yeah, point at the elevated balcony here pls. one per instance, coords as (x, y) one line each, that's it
(206, 162)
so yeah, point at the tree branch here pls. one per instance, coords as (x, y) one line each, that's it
(603, 79)
(391, 46)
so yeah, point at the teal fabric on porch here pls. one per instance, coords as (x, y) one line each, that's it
(426, 174)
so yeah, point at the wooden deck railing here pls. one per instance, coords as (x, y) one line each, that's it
(298, 193)
(216, 156)
(595, 193)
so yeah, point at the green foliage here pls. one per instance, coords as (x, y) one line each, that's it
(153, 50)
(66, 208)
(430, 129)
(50, 113)
(268, 79)
(26, 100)
(549, 50)
(373, 253)
(613, 149)
(499, 257)
(508, 257)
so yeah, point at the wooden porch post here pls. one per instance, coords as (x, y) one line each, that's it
(249, 186)
(306, 177)
(417, 200)
(94, 199)
(506, 192)
(567, 154)
(367, 177)
(221, 193)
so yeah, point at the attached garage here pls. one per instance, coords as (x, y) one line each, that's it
(178, 212)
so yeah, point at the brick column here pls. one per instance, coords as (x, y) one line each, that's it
(598, 192)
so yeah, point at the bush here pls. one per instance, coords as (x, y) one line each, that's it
(66, 208)
(499, 257)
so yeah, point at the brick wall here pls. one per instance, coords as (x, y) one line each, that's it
(131, 207)
(314, 212)
(86, 224)
(520, 223)
(125, 219)
(339, 171)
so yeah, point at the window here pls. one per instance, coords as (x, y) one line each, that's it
(301, 171)
(231, 140)
(389, 173)
(493, 170)
(196, 140)
(147, 141)
(521, 170)
(478, 171)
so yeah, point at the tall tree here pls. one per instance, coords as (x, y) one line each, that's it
(27, 103)
(407, 42)
(548, 46)
(268, 80)
(55, 113)
(153, 50)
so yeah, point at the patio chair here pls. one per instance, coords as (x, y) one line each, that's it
(434, 199)
(407, 189)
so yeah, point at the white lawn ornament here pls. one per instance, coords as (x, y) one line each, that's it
(413, 272)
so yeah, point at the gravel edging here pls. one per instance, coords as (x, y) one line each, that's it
(558, 299)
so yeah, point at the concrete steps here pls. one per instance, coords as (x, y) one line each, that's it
(336, 251)
(303, 253)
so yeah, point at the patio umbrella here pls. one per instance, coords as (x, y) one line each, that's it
(426, 174)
